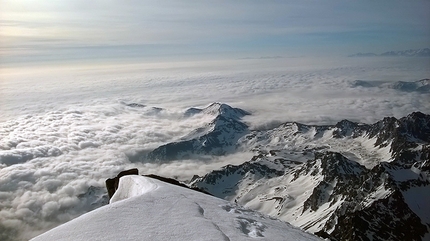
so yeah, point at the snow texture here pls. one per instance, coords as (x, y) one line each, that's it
(147, 209)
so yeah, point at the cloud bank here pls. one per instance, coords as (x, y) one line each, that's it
(48, 161)
(63, 131)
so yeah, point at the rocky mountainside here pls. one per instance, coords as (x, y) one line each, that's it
(348, 181)
(218, 137)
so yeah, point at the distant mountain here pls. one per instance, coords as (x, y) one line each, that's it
(420, 86)
(425, 52)
(218, 137)
(363, 55)
(264, 57)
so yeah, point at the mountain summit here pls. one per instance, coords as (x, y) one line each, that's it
(218, 137)
(143, 208)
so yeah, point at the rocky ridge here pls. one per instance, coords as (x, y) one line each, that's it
(349, 181)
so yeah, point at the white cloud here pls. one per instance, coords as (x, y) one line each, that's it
(49, 159)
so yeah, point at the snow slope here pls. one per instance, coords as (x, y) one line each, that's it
(147, 209)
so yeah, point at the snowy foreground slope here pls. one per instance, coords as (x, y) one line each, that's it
(147, 209)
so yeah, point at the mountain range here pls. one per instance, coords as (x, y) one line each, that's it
(419, 86)
(425, 52)
(348, 181)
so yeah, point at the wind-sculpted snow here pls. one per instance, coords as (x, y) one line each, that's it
(131, 187)
(147, 209)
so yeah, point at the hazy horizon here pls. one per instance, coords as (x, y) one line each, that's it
(97, 31)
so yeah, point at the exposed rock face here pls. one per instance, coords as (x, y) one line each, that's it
(389, 218)
(218, 137)
(112, 183)
(348, 181)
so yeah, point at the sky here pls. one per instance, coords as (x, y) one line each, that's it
(65, 30)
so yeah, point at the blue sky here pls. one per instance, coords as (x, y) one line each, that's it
(34, 31)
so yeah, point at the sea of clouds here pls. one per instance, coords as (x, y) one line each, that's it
(65, 129)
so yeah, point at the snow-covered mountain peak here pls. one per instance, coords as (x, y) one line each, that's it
(143, 208)
(218, 109)
(216, 137)
(424, 81)
(313, 176)
(225, 111)
(420, 86)
(347, 128)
